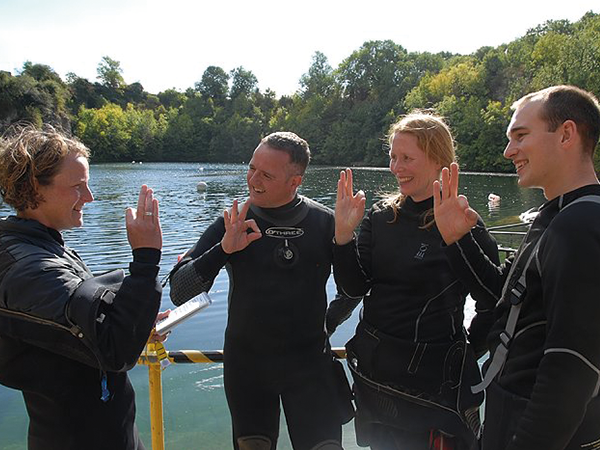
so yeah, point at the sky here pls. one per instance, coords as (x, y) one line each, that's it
(169, 43)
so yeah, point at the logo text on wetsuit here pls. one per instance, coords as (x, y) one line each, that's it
(422, 249)
(284, 232)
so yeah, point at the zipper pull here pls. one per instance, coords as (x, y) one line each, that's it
(104, 384)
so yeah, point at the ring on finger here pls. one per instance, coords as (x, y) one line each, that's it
(148, 213)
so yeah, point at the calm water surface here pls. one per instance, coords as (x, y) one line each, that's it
(196, 415)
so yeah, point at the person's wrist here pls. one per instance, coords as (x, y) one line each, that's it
(448, 239)
(342, 239)
(225, 249)
(452, 238)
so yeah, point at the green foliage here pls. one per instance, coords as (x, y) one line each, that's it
(109, 73)
(243, 83)
(172, 98)
(214, 84)
(114, 134)
(84, 93)
(318, 82)
(35, 95)
(343, 112)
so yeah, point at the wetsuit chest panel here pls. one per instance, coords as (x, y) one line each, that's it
(285, 300)
(403, 258)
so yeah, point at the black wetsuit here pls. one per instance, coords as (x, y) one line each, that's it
(412, 298)
(552, 371)
(59, 339)
(275, 343)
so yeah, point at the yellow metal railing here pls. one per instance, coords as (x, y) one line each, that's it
(156, 357)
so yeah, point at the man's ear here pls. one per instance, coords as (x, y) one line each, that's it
(569, 133)
(296, 180)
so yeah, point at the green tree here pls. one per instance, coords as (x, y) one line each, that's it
(318, 81)
(134, 93)
(105, 131)
(343, 112)
(236, 141)
(373, 82)
(83, 93)
(109, 73)
(179, 137)
(172, 98)
(146, 134)
(40, 72)
(190, 132)
(243, 83)
(214, 84)
(37, 95)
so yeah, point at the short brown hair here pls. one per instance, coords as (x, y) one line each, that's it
(30, 156)
(562, 103)
(293, 145)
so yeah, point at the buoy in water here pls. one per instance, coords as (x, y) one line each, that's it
(494, 198)
(201, 186)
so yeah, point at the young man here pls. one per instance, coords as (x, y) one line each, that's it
(278, 251)
(67, 338)
(543, 375)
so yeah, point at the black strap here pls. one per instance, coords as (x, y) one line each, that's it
(516, 298)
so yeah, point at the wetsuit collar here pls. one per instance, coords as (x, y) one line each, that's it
(289, 214)
(563, 200)
(30, 227)
(418, 207)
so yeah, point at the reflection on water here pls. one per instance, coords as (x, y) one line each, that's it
(212, 379)
(196, 414)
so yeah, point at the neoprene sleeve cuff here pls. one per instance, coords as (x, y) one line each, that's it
(147, 255)
(468, 245)
(351, 241)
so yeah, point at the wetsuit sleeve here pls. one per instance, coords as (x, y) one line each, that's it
(199, 267)
(475, 265)
(567, 376)
(351, 262)
(484, 298)
(46, 288)
(132, 314)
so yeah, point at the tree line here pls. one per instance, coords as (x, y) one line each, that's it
(343, 112)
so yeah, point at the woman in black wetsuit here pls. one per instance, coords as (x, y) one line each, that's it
(411, 365)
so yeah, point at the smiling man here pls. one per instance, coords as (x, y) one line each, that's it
(543, 377)
(278, 252)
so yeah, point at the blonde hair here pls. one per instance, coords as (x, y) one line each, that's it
(434, 139)
(30, 157)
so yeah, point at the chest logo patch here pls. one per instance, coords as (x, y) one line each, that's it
(284, 232)
(422, 249)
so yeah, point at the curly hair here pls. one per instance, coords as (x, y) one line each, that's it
(30, 157)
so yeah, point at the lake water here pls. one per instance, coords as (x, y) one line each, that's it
(195, 411)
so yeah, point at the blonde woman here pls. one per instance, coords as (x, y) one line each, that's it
(409, 358)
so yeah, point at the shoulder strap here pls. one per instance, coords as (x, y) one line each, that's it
(586, 198)
(516, 295)
(506, 336)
